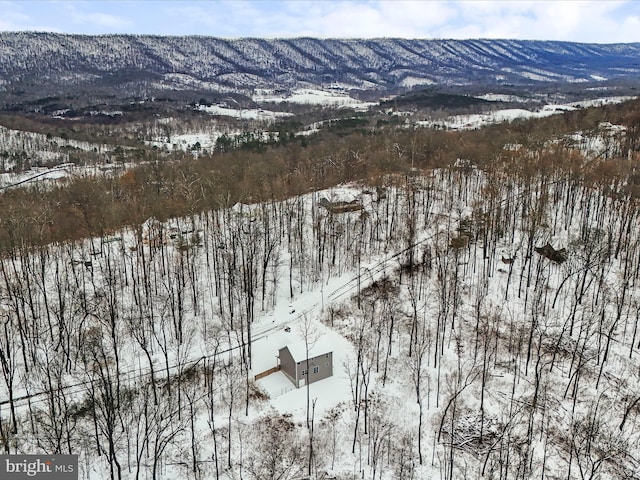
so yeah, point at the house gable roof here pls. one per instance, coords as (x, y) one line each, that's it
(298, 349)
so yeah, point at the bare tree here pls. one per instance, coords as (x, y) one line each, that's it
(276, 452)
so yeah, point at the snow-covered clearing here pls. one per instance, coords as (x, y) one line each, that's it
(598, 102)
(244, 113)
(501, 97)
(19, 147)
(475, 121)
(602, 143)
(479, 120)
(44, 175)
(311, 96)
(194, 142)
(38, 174)
(410, 81)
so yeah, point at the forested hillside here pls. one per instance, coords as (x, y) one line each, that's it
(47, 69)
(479, 288)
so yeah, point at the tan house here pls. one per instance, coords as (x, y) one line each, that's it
(293, 362)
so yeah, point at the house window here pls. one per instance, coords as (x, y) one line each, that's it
(326, 356)
(326, 364)
(304, 372)
(316, 369)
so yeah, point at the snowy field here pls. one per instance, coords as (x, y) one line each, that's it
(48, 176)
(244, 113)
(309, 96)
(17, 146)
(193, 142)
(475, 121)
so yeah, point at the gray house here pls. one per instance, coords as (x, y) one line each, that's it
(293, 362)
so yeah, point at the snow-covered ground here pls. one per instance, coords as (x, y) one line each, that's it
(38, 174)
(603, 143)
(410, 81)
(479, 120)
(57, 172)
(475, 121)
(501, 97)
(485, 347)
(19, 146)
(244, 113)
(598, 102)
(482, 347)
(189, 141)
(310, 96)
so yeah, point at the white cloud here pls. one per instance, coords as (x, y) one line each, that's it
(16, 18)
(406, 19)
(384, 19)
(105, 20)
(60, 16)
(13, 19)
(91, 18)
(224, 18)
(585, 21)
(573, 20)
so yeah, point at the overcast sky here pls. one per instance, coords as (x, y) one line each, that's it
(601, 21)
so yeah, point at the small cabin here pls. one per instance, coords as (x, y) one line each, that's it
(301, 368)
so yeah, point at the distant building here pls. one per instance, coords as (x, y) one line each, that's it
(294, 363)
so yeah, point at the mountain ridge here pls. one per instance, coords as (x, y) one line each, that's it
(40, 64)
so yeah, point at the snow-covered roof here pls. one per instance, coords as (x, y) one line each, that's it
(298, 349)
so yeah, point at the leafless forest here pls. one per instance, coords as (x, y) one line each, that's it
(492, 308)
